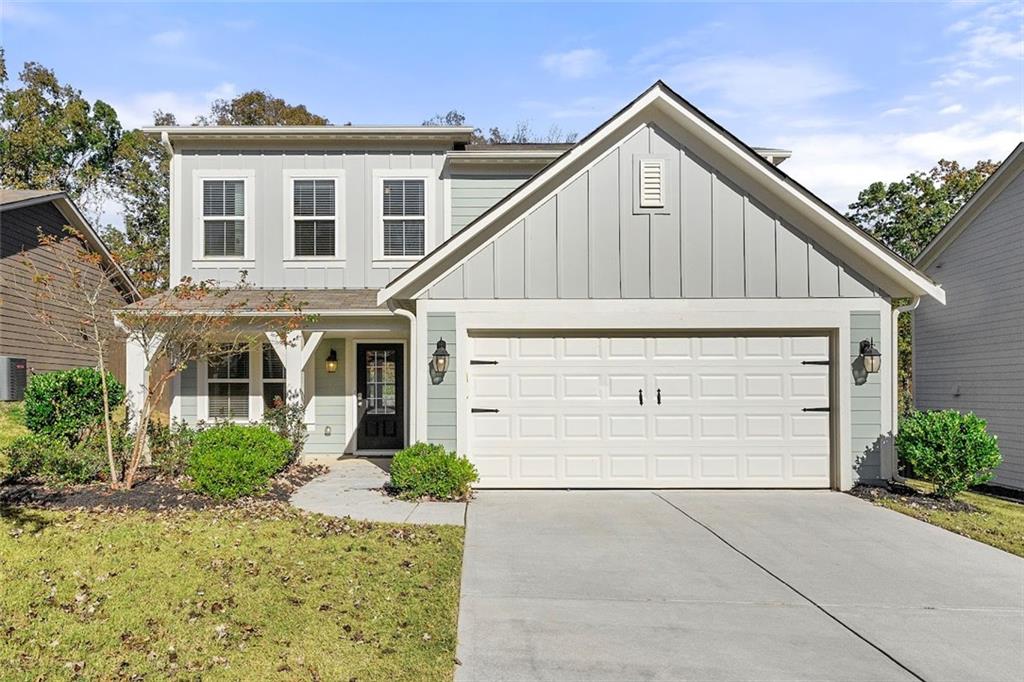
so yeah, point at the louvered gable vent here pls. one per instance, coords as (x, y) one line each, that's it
(652, 183)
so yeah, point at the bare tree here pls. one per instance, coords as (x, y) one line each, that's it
(196, 320)
(73, 300)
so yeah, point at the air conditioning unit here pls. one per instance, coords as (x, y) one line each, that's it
(13, 374)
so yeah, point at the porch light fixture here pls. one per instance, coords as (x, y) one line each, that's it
(440, 361)
(870, 356)
(332, 362)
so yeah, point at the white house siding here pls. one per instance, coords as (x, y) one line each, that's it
(472, 194)
(969, 354)
(268, 268)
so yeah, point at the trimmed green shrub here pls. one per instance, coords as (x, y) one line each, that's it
(54, 461)
(425, 470)
(949, 449)
(170, 446)
(68, 403)
(230, 460)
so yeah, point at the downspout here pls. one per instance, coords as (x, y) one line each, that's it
(414, 370)
(895, 380)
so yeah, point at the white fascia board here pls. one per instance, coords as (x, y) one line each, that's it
(172, 133)
(993, 186)
(764, 175)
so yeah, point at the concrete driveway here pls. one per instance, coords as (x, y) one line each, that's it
(708, 585)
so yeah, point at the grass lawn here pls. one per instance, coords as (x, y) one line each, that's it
(266, 593)
(999, 523)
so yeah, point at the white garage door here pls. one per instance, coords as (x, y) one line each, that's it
(630, 411)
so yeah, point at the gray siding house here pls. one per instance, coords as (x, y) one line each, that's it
(657, 305)
(969, 354)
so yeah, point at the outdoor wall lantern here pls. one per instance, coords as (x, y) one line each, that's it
(332, 362)
(870, 356)
(440, 362)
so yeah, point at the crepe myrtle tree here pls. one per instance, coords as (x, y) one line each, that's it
(72, 299)
(191, 321)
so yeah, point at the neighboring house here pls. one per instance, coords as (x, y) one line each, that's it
(24, 214)
(657, 305)
(969, 354)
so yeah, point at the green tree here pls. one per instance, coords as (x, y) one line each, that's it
(51, 137)
(905, 216)
(259, 108)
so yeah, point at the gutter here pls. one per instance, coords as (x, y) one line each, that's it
(895, 379)
(413, 367)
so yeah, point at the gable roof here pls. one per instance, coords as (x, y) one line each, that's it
(12, 199)
(1006, 173)
(847, 238)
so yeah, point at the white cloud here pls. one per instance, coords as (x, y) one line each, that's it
(777, 83)
(995, 80)
(137, 110)
(952, 109)
(24, 14)
(579, 63)
(171, 38)
(895, 111)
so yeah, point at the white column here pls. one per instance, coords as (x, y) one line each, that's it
(137, 374)
(294, 384)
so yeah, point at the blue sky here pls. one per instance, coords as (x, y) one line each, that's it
(859, 92)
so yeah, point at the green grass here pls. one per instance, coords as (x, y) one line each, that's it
(271, 594)
(997, 522)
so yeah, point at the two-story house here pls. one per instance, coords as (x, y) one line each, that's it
(657, 305)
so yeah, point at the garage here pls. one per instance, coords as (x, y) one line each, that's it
(649, 410)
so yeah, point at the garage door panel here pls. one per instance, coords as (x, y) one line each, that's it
(568, 412)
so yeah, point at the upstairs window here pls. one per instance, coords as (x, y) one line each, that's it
(224, 218)
(227, 376)
(404, 215)
(314, 217)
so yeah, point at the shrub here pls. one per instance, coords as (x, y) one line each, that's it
(66, 404)
(429, 470)
(170, 446)
(288, 420)
(230, 461)
(54, 461)
(949, 449)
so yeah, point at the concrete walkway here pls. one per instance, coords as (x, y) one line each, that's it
(716, 585)
(352, 488)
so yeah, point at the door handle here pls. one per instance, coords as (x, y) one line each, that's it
(659, 396)
(359, 399)
(641, 397)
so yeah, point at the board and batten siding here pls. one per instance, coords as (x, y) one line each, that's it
(269, 267)
(866, 437)
(471, 195)
(713, 240)
(188, 391)
(969, 354)
(441, 400)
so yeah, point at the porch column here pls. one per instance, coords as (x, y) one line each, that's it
(294, 385)
(137, 373)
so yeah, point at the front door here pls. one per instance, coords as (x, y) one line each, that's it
(381, 396)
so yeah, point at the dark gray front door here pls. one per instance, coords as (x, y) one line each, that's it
(379, 379)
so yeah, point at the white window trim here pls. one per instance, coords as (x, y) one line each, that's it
(255, 351)
(429, 177)
(290, 176)
(248, 177)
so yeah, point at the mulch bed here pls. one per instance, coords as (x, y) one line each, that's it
(911, 497)
(151, 492)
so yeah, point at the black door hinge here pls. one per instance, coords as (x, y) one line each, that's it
(477, 410)
(815, 362)
(483, 362)
(817, 409)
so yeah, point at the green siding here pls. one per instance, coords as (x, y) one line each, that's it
(474, 194)
(866, 400)
(327, 438)
(441, 403)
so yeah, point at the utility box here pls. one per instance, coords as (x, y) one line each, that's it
(13, 375)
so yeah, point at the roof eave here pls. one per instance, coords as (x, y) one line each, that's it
(175, 133)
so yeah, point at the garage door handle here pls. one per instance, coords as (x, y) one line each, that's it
(477, 410)
(659, 396)
(817, 409)
(641, 397)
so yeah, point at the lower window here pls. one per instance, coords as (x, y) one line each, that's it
(274, 387)
(228, 385)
